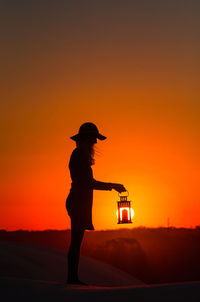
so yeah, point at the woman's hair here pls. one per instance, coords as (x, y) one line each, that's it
(89, 152)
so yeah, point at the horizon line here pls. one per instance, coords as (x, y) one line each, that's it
(102, 230)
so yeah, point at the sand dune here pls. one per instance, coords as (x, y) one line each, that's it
(30, 273)
(40, 263)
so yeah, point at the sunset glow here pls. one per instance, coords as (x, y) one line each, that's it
(137, 80)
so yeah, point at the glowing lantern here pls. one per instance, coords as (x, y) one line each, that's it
(124, 213)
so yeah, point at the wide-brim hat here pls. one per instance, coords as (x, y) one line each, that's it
(88, 130)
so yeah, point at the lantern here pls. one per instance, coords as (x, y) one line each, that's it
(125, 212)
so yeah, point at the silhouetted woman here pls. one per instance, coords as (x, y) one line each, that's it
(80, 198)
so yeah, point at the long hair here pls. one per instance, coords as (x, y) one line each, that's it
(89, 151)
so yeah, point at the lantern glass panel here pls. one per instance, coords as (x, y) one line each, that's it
(124, 212)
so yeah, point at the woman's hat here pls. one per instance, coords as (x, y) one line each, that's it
(88, 130)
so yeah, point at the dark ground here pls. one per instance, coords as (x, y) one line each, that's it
(151, 255)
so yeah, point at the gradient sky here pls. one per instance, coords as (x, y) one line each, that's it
(130, 67)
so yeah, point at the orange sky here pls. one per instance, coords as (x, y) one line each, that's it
(131, 69)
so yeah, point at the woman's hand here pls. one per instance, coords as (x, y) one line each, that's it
(119, 188)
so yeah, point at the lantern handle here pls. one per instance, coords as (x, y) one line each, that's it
(124, 192)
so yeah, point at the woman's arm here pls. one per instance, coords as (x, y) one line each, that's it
(99, 185)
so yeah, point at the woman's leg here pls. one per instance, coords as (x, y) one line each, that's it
(74, 253)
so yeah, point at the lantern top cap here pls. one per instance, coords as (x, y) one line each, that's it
(125, 192)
